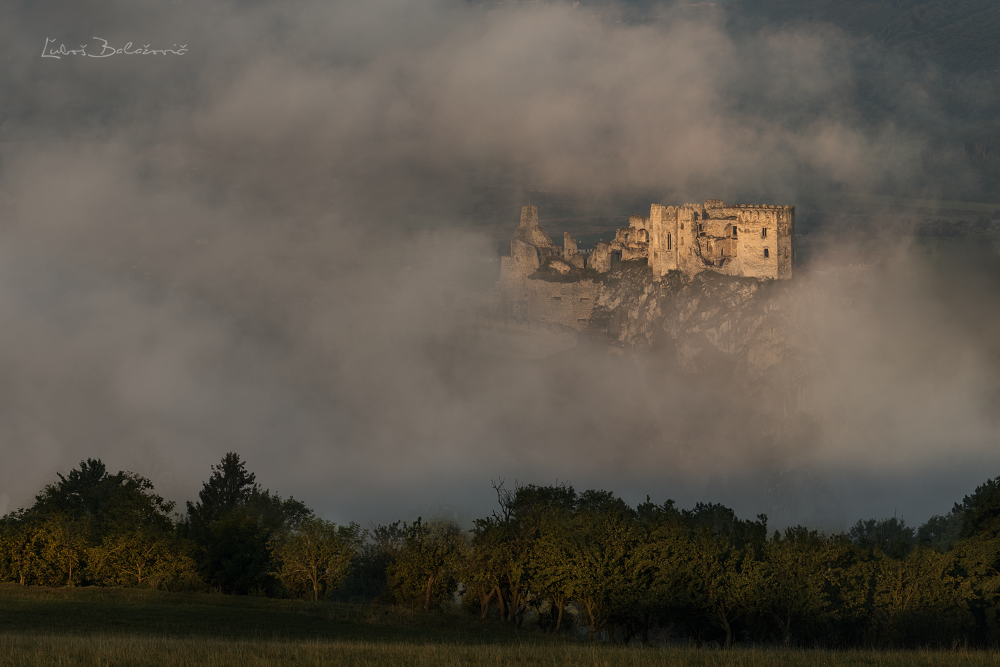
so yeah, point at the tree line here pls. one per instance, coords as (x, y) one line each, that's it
(547, 557)
(92, 527)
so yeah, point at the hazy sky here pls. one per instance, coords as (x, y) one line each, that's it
(259, 246)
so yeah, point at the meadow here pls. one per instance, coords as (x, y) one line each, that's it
(109, 627)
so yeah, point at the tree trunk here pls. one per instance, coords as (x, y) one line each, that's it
(500, 602)
(430, 587)
(723, 618)
(559, 618)
(786, 626)
(515, 600)
(484, 604)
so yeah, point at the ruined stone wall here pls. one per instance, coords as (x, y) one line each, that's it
(638, 222)
(561, 304)
(571, 253)
(688, 255)
(512, 290)
(569, 246)
(522, 296)
(632, 242)
(765, 241)
(711, 238)
(600, 258)
(530, 233)
(663, 240)
(786, 242)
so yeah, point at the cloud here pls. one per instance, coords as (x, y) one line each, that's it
(261, 248)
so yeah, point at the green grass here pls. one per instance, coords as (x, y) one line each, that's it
(109, 627)
(86, 611)
(111, 651)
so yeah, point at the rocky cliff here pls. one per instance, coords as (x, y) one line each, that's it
(711, 321)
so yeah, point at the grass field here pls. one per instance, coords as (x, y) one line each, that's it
(110, 627)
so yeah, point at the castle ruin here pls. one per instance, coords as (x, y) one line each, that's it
(541, 282)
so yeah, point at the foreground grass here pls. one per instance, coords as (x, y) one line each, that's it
(108, 627)
(85, 611)
(110, 651)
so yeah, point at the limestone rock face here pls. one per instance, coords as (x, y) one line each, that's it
(710, 320)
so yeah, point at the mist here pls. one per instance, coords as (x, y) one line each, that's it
(265, 246)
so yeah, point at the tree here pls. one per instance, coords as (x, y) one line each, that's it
(890, 536)
(940, 532)
(552, 566)
(316, 555)
(794, 588)
(234, 524)
(63, 550)
(707, 566)
(503, 545)
(607, 571)
(981, 510)
(424, 572)
(930, 600)
(722, 581)
(62, 538)
(21, 558)
(367, 575)
(103, 503)
(142, 559)
(230, 486)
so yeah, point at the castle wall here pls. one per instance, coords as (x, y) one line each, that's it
(569, 246)
(561, 304)
(599, 258)
(571, 252)
(512, 291)
(529, 232)
(664, 243)
(632, 241)
(638, 222)
(765, 241)
(703, 239)
(786, 242)
(688, 254)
